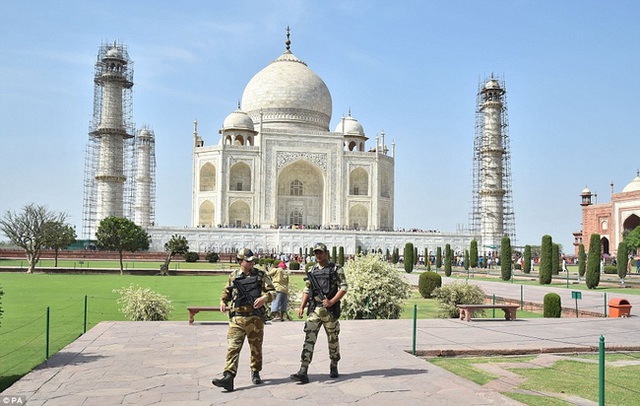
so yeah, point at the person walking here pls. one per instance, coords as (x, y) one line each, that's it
(245, 295)
(280, 278)
(326, 285)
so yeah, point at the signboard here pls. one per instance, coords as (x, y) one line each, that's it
(576, 295)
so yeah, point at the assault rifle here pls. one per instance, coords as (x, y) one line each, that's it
(315, 285)
(244, 294)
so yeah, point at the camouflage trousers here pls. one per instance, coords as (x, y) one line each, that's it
(251, 327)
(321, 317)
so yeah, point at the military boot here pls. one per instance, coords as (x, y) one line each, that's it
(300, 376)
(333, 371)
(226, 382)
(255, 377)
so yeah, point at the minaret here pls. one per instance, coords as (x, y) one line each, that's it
(144, 178)
(110, 139)
(492, 216)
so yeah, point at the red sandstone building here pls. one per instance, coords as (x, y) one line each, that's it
(610, 220)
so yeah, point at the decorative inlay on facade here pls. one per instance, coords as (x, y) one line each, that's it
(283, 158)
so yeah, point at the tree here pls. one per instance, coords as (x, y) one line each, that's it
(438, 258)
(592, 277)
(395, 257)
(177, 245)
(27, 230)
(58, 235)
(526, 266)
(376, 289)
(448, 258)
(555, 259)
(473, 254)
(545, 260)
(582, 259)
(121, 234)
(408, 257)
(622, 261)
(632, 240)
(466, 260)
(505, 258)
(341, 255)
(334, 254)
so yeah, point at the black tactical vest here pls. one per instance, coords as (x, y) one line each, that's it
(249, 290)
(327, 278)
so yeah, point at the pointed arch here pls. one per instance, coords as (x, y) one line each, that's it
(207, 177)
(358, 217)
(239, 214)
(359, 182)
(206, 213)
(631, 222)
(300, 199)
(240, 177)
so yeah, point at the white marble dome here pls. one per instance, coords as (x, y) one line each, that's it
(585, 191)
(114, 53)
(287, 92)
(238, 120)
(633, 186)
(350, 126)
(492, 84)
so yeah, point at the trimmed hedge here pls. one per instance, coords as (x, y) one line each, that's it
(191, 256)
(552, 305)
(427, 282)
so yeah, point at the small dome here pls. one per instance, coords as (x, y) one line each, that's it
(238, 120)
(145, 133)
(350, 126)
(585, 191)
(492, 84)
(114, 53)
(633, 186)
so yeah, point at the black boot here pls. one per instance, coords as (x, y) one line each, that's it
(300, 376)
(255, 377)
(226, 382)
(333, 371)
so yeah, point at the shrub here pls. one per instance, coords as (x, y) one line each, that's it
(212, 257)
(582, 259)
(427, 282)
(592, 277)
(622, 260)
(505, 258)
(517, 267)
(143, 304)
(341, 256)
(546, 249)
(473, 254)
(527, 259)
(308, 265)
(610, 269)
(453, 294)
(294, 265)
(448, 258)
(555, 259)
(408, 257)
(438, 258)
(552, 305)
(376, 289)
(191, 256)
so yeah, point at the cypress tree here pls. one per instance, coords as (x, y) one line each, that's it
(473, 254)
(408, 257)
(545, 260)
(438, 258)
(466, 260)
(555, 259)
(505, 258)
(341, 256)
(592, 277)
(447, 259)
(622, 260)
(416, 257)
(334, 254)
(526, 266)
(582, 260)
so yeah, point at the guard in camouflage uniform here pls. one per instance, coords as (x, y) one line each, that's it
(326, 285)
(245, 296)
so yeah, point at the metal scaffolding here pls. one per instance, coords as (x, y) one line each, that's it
(492, 202)
(109, 151)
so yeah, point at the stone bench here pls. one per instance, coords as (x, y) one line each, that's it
(466, 311)
(193, 310)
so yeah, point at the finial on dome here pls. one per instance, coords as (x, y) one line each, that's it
(349, 111)
(195, 127)
(288, 42)
(238, 104)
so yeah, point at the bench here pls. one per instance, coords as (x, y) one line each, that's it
(193, 310)
(466, 311)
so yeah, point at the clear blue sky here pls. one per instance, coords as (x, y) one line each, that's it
(410, 68)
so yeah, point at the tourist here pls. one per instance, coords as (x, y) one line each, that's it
(280, 278)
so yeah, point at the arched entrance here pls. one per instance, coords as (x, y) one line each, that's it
(300, 195)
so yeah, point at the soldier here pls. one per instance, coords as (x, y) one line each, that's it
(326, 285)
(247, 291)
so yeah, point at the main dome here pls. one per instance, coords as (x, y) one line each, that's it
(287, 93)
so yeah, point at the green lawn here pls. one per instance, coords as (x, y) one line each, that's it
(569, 377)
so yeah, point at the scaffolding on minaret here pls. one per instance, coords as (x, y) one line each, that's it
(109, 152)
(492, 215)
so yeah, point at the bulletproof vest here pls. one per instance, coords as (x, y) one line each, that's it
(252, 287)
(328, 281)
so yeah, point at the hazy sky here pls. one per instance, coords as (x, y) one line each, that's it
(408, 68)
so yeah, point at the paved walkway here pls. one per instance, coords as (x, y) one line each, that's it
(172, 363)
